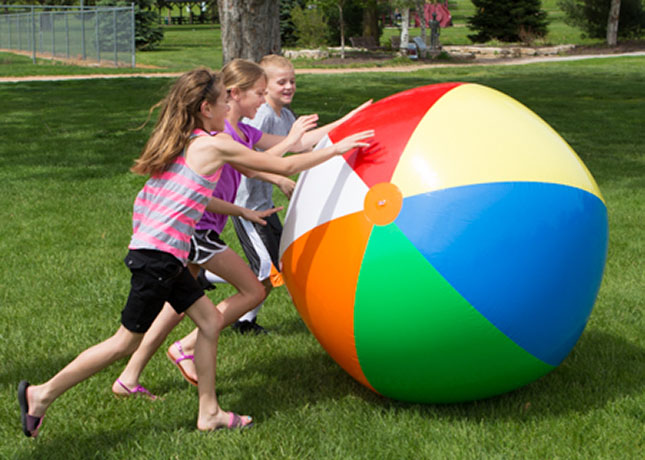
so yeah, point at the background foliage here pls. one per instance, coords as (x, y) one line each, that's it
(352, 18)
(591, 17)
(507, 20)
(310, 26)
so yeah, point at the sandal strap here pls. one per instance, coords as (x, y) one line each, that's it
(137, 389)
(182, 356)
(142, 389)
(33, 424)
(234, 420)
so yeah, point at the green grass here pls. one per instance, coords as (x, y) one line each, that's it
(66, 221)
(185, 47)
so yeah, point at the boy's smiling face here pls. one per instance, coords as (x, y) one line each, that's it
(281, 86)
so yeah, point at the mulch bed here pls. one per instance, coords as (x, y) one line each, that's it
(626, 46)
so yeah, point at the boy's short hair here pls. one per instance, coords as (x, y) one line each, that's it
(276, 61)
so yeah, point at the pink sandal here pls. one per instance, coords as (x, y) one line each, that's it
(134, 391)
(30, 423)
(236, 421)
(176, 362)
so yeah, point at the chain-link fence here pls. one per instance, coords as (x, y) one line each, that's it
(103, 35)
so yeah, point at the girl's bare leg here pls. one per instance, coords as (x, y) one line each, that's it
(230, 266)
(89, 362)
(209, 324)
(152, 340)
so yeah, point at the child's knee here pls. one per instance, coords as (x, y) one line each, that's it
(125, 342)
(259, 292)
(212, 325)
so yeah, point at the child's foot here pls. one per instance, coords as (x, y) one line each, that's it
(230, 421)
(248, 327)
(31, 423)
(185, 363)
(120, 389)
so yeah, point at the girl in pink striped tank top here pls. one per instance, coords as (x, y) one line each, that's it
(183, 173)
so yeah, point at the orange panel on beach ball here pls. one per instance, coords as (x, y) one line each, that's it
(321, 269)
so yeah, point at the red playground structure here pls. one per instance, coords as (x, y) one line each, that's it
(442, 14)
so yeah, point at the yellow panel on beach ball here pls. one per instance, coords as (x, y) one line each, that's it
(474, 135)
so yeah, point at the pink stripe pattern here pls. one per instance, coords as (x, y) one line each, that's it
(169, 206)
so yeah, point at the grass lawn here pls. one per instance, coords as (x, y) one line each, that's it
(66, 221)
(186, 47)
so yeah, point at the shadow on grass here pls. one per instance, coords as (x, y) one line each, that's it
(25, 367)
(601, 368)
(84, 445)
(73, 137)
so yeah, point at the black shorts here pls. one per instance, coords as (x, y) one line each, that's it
(157, 277)
(204, 244)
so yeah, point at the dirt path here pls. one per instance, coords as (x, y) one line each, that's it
(411, 68)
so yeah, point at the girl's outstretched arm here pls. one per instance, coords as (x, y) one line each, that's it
(285, 184)
(227, 150)
(279, 145)
(311, 136)
(218, 206)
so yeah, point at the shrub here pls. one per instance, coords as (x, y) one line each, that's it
(508, 20)
(287, 29)
(352, 19)
(310, 26)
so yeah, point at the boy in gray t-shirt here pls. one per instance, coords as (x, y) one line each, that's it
(255, 193)
(261, 244)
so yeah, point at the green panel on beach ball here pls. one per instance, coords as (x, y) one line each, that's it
(419, 340)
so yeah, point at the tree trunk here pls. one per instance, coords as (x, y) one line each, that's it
(370, 20)
(420, 7)
(612, 23)
(250, 28)
(405, 34)
(342, 30)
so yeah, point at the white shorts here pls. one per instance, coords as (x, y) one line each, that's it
(260, 243)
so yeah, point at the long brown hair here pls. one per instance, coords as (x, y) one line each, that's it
(177, 120)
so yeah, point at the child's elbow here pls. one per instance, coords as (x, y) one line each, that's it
(288, 167)
(290, 171)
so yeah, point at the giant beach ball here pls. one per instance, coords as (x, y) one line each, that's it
(456, 258)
